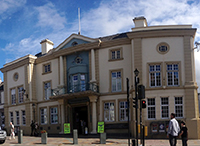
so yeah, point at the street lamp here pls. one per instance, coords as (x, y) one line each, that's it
(136, 103)
(33, 105)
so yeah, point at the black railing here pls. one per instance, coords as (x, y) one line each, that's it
(75, 89)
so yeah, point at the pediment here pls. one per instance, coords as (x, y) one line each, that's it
(75, 39)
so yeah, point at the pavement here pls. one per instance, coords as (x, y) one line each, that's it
(62, 141)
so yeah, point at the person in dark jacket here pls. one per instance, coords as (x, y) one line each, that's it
(32, 128)
(184, 134)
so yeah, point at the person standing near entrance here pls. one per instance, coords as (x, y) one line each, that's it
(184, 134)
(12, 130)
(173, 130)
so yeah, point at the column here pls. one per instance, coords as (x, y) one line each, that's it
(30, 81)
(93, 66)
(93, 99)
(61, 115)
(61, 72)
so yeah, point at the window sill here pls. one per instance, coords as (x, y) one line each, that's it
(44, 73)
(116, 59)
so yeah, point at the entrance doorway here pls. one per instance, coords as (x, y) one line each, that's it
(80, 118)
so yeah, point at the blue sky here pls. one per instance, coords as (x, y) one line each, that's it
(24, 23)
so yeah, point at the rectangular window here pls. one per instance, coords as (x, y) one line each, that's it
(23, 117)
(151, 107)
(20, 95)
(43, 116)
(116, 81)
(109, 112)
(83, 85)
(123, 111)
(155, 75)
(17, 117)
(47, 90)
(11, 117)
(47, 68)
(116, 54)
(172, 74)
(54, 115)
(3, 118)
(165, 107)
(179, 107)
(13, 96)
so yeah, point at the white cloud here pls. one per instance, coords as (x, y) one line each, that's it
(110, 17)
(7, 7)
(49, 16)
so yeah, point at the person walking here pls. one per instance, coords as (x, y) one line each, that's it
(184, 134)
(173, 130)
(12, 130)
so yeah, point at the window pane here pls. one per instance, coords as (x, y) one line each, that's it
(118, 54)
(113, 54)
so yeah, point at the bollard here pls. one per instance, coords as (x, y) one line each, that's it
(133, 142)
(75, 136)
(20, 136)
(102, 138)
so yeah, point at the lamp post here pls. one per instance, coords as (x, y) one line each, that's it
(136, 102)
(33, 105)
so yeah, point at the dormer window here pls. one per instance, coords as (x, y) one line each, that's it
(74, 43)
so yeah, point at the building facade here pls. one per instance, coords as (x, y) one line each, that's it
(2, 117)
(83, 81)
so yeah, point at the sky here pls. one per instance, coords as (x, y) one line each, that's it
(24, 23)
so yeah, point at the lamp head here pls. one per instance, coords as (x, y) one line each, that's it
(136, 72)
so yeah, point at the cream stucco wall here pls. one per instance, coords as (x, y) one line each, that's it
(157, 94)
(115, 99)
(105, 66)
(11, 83)
(41, 78)
(14, 109)
(151, 55)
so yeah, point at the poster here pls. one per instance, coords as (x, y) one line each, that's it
(66, 128)
(162, 127)
(100, 127)
(154, 128)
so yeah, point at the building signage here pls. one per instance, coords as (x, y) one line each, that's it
(100, 127)
(162, 127)
(66, 128)
(154, 128)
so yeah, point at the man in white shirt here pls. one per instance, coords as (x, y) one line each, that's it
(173, 130)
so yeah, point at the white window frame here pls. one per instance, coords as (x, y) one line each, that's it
(47, 68)
(20, 95)
(164, 105)
(23, 117)
(110, 111)
(11, 117)
(116, 54)
(173, 71)
(47, 90)
(13, 96)
(43, 116)
(123, 110)
(17, 118)
(151, 106)
(155, 72)
(54, 115)
(116, 81)
(176, 105)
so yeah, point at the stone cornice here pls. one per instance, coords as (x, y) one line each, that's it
(162, 33)
(29, 59)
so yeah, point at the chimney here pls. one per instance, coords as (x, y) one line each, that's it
(140, 21)
(46, 45)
